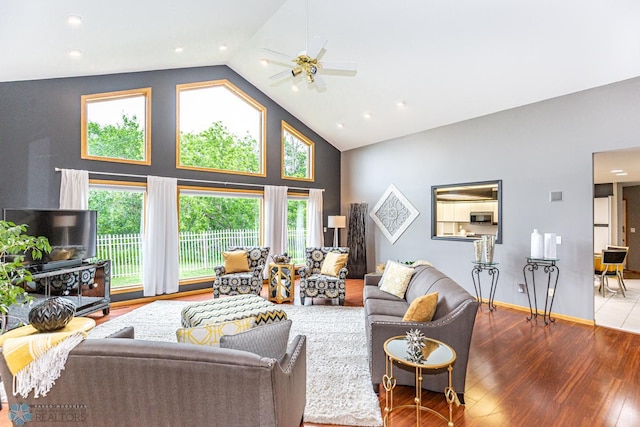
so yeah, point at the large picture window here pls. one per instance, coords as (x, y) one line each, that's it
(211, 221)
(297, 155)
(120, 209)
(116, 126)
(219, 128)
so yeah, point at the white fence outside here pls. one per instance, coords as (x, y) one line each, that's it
(198, 251)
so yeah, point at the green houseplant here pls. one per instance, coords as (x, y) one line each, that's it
(14, 244)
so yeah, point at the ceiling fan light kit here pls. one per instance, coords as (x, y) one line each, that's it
(307, 62)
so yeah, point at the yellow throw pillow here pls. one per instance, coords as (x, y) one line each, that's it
(210, 334)
(395, 279)
(422, 308)
(333, 263)
(235, 262)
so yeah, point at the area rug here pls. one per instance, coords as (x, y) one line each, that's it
(338, 381)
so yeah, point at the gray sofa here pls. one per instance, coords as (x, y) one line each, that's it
(127, 382)
(452, 324)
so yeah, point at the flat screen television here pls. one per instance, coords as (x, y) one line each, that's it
(72, 234)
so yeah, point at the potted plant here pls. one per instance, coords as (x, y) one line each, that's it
(14, 244)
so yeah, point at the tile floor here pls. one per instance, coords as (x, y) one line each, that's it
(616, 311)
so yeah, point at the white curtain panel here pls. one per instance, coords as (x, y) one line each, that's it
(74, 189)
(275, 219)
(160, 242)
(315, 236)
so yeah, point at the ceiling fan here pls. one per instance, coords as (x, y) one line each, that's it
(307, 63)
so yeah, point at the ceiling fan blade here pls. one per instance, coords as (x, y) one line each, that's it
(319, 81)
(281, 57)
(339, 65)
(281, 75)
(317, 43)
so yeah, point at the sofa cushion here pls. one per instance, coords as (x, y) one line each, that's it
(333, 263)
(422, 283)
(211, 334)
(373, 291)
(422, 308)
(267, 341)
(396, 309)
(395, 279)
(235, 262)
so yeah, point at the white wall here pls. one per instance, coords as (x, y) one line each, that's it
(535, 149)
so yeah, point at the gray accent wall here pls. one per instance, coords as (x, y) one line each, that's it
(534, 150)
(40, 130)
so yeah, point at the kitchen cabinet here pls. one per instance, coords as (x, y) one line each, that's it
(461, 212)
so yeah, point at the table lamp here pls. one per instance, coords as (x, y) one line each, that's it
(335, 222)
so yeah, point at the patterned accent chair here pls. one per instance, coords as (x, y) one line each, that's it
(249, 282)
(313, 284)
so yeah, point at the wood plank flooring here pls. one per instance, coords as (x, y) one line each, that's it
(522, 373)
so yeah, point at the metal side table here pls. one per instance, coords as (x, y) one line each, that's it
(438, 356)
(552, 272)
(492, 269)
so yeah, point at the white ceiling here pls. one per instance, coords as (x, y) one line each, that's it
(447, 60)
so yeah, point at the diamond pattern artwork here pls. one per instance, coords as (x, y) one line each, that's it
(393, 213)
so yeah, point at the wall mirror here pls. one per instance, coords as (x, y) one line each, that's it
(467, 211)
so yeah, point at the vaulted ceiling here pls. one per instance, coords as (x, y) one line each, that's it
(421, 64)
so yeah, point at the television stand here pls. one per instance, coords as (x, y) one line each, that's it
(57, 265)
(88, 286)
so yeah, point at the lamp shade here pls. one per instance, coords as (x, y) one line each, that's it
(337, 221)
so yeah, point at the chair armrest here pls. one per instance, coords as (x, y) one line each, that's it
(219, 270)
(290, 383)
(342, 274)
(296, 350)
(302, 272)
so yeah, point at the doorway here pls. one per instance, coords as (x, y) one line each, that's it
(616, 179)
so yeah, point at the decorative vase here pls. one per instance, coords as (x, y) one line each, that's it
(477, 250)
(52, 314)
(488, 245)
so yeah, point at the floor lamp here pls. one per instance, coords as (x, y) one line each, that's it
(335, 222)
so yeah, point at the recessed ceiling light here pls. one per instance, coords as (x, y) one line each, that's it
(616, 170)
(340, 125)
(75, 53)
(401, 104)
(223, 47)
(294, 88)
(367, 115)
(74, 19)
(264, 62)
(178, 49)
(622, 174)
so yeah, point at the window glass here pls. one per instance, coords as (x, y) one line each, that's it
(296, 229)
(220, 128)
(297, 155)
(120, 217)
(210, 222)
(116, 126)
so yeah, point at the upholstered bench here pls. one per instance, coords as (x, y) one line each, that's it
(232, 308)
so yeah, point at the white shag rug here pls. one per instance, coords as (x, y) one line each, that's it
(338, 381)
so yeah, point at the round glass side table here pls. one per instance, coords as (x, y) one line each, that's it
(437, 355)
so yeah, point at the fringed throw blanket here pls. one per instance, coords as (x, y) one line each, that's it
(37, 359)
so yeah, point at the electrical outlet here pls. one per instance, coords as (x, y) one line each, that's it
(551, 290)
(558, 240)
(520, 287)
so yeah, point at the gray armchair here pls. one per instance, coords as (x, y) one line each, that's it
(314, 284)
(249, 282)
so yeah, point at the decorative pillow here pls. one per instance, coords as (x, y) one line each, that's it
(268, 340)
(395, 278)
(333, 263)
(422, 308)
(211, 334)
(235, 262)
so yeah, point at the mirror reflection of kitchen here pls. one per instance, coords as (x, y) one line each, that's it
(467, 211)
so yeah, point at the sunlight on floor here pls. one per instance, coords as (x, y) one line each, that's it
(615, 311)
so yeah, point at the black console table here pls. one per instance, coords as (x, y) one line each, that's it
(88, 286)
(553, 272)
(494, 274)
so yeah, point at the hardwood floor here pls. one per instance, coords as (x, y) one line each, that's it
(523, 373)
